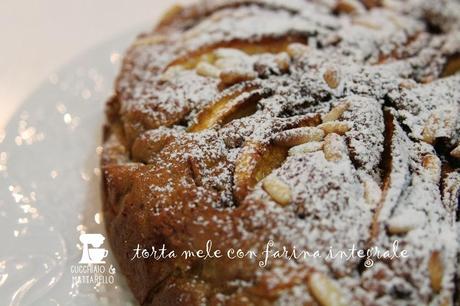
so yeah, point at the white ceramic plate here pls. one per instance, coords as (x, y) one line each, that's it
(49, 186)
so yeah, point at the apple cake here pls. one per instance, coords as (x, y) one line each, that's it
(301, 124)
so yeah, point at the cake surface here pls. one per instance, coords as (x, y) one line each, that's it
(312, 124)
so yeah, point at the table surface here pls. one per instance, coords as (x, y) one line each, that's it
(39, 36)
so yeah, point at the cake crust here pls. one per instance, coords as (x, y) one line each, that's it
(312, 124)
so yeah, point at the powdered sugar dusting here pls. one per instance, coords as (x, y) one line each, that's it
(377, 171)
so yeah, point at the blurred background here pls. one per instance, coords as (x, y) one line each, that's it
(39, 36)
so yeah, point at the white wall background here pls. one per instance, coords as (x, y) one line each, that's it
(39, 36)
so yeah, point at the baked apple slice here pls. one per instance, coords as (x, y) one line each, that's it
(240, 103)
(255, 162)
(258, 159)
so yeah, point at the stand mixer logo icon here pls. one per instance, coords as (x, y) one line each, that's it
(94, 254)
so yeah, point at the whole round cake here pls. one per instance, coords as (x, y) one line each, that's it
(261, 127)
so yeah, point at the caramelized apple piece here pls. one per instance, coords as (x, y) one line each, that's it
(255, 162)
(238, 104)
